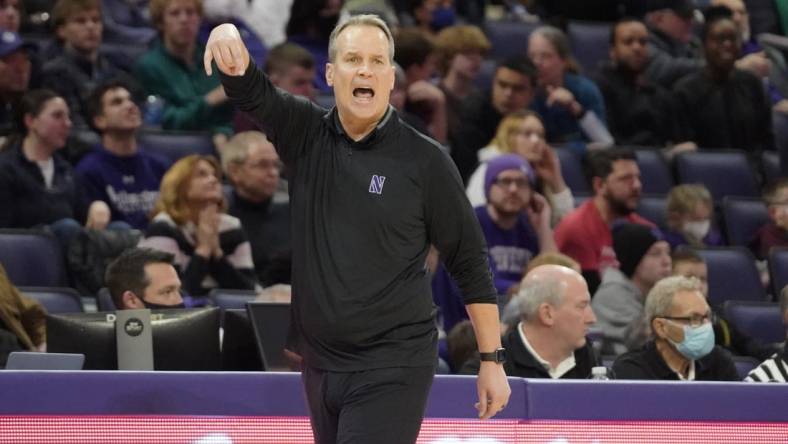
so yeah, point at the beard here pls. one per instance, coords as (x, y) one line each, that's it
(619, 207)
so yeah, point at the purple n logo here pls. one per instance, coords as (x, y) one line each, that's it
(376, 184)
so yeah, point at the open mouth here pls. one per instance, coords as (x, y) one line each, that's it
(363, 93)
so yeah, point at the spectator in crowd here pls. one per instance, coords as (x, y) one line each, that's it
(566, 100)
(310, 25)
(23, 326)
(14, 78)
(460, 51)
(398, 98)
(172, 69)
(722, 106)
(638, 111)
(644, 259)
(674, 51)
(81, 66)
(515, 220)
(144, 278)
(117, 172)
(416, 55)
(522, 133)
(775, 368)
(10, 15)
(267, 18)
(775, 232)
(752, 57)
(516, 226)
(431, 16)
(127, 22)
(512, 90)
(690, 214)
(686, 262)
(289, 67)
(210, 247)
(38, 187)
(682, 345)
(584, 234)
(253, 167)
(550, 339)
(462, 349)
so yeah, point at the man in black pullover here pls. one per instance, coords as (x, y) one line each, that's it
(368, 196)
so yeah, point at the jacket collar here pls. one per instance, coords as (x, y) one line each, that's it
(383, 127)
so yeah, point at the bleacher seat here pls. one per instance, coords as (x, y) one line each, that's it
(590, 44)
(742, 217)
(104, 300)
(231, 299)
(771, 165)
(655, 175)
(653, 209)
(724, 172)
(32, 258)
(778, 270)
(172, 145)
(732, 275)
(572, 170)
(759, 320)
(55, 299)
(508, 38)
(744, 364)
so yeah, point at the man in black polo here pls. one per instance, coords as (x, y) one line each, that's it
(369, 195)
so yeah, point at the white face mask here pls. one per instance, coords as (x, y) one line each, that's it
(697, 230)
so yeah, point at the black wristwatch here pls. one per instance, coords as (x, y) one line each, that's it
(498, 356)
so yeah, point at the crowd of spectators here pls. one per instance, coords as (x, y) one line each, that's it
(678, 79)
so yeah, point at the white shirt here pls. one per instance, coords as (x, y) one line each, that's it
(690, 373)
(562, 367)
(47, 168)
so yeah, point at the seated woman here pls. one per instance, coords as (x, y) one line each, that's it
(689, 218)
(37, 186)
(522, 133)
(210, 247)
(571, 105)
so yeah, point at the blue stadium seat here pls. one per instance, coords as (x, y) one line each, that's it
(484, 79)
(760, 320)
(653, 209)
(778, 270)
(32, 258)
(231, 299)
(742, 217)
(590, 43)
(654, 172)
(744, 364)
(55, 299)
(508, 38)
(572, 170)
(172, 145)
(771, 166)
(732, 275)
(724, 172)
(104, 300)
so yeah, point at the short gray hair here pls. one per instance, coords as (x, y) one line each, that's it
(534, 294)
(359, 20)
(660, 298)
(236, 150)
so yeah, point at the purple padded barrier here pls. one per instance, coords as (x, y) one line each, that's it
(656, 400)
(453, 396)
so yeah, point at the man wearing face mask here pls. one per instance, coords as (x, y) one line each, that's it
(144, 278)
(682, 345)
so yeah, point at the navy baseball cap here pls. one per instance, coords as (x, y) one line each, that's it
(10, 42)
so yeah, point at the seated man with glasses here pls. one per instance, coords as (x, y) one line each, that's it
(682, 345)
(144, 278)
(253, 167)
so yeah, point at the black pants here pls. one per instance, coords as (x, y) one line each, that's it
(372, 406)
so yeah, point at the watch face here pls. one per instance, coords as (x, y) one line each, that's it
(500, 355)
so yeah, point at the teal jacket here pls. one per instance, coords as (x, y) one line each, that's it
(183, 88)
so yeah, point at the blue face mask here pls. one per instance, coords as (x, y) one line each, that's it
(698, 341)
(442, 17)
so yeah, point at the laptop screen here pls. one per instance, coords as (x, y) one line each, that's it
(271, 321)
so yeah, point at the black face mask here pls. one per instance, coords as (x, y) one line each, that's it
(152, 306)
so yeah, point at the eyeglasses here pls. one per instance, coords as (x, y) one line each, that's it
(507, 182)
(692, 321)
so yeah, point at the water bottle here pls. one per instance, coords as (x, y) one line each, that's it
(154, 110)
(600, 373)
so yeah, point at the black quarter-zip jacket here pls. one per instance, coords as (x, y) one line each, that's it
(363, 215)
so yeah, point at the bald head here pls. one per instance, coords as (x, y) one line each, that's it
(548, 284)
